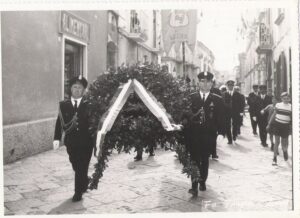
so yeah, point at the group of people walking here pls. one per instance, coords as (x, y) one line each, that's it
(272, 117)
(213, 112)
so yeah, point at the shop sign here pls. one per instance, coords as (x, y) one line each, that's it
(74, 26)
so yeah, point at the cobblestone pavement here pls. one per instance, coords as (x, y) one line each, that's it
(243, 179)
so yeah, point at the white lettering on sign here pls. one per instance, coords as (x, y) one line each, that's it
(74, 26)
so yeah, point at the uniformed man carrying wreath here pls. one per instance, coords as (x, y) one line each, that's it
(204, 121)
(73, 123)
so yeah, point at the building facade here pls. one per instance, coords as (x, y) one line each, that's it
(268, 54)
(201, 59)
(139, 37)
(41, 52)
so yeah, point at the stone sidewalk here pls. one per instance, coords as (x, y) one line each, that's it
(242, 180)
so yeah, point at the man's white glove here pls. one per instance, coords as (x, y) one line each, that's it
(177, 126)
(262, 111)
(55, 144)
(254, 118)
(241, 114)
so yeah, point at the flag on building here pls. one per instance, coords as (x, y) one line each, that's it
(179, 26)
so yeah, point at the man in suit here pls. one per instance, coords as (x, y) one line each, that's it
(204, 121)
(233, 111)
(216, 91)
(242, 107)
(252, 102)
(262, 119)
(73, 122)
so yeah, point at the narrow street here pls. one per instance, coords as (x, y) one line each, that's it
(243, 179)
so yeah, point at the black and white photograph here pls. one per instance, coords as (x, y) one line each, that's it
(171, 108)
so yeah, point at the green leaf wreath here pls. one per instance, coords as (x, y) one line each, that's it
(136, 127)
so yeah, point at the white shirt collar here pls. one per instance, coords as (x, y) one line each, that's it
(206, 94)
(78, 101)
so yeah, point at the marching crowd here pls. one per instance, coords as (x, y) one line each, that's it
(213, 112)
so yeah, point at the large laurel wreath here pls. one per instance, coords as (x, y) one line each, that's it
(136, 126)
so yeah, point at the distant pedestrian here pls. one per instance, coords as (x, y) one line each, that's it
(282, 121)
(262, 119)
(233, 111)
(223, 89)
(252, 102)
(73, 122)
(269, 111)
(242, 107)
(201, 125)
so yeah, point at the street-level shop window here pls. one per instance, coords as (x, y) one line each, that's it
(73, 64)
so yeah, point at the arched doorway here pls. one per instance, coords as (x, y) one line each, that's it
(281, 75)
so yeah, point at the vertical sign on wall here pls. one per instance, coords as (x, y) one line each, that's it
(179, 26)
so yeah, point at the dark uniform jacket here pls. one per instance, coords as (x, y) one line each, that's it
(202, 123)
(216, 91)
(252, 101)
(261, 104)
(79, 134)
(234, 105)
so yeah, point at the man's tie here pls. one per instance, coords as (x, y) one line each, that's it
(75, 105)
(203, 97)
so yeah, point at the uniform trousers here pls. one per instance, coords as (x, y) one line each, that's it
(80, 157)
(232, 126)
(253, 123)
(202, 164)
(262, 124)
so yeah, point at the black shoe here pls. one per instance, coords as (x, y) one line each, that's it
(214, 156)
(194, 192)
(137, 158)
(77, 197)
(254, 133)
(264, 144)
(234, 138)
(285, 155)
(274, 161)
(152, 154)
(229, 142)
(202, 186)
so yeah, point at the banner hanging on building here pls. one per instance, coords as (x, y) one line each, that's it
(179, 26)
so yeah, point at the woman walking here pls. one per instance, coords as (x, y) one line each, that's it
(282, 120)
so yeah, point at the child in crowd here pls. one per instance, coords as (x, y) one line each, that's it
(270, 109)
(282, 120)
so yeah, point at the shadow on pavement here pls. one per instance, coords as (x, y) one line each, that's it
(221, 153)
(174, 195)
(238, 147)
(219, 166)
(68, 207)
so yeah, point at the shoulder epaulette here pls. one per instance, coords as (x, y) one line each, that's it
(193, 93)
(218, 96)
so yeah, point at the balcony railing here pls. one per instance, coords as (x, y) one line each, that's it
(264, 49)
(137, 33)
